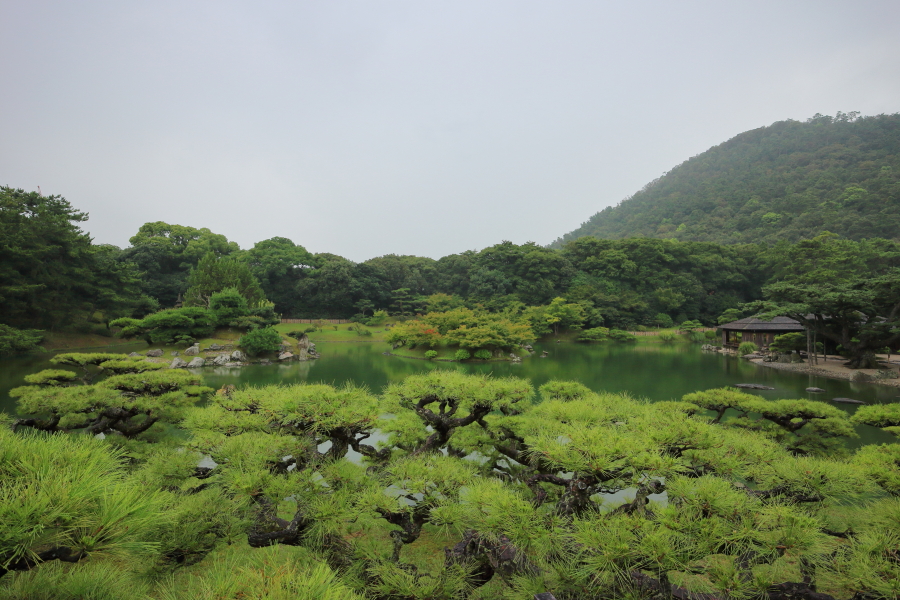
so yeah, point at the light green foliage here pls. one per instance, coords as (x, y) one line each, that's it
(51, 377)
(130, 403)
(886, 416)
(564, 390)
(803, 426)
(622, 336)
(747, 348)
(72, 493)
(431, 354)
(19, 341)
(560, 314)
(667, 337)
(130, 364)
(482, 354)
(246, 573)
(462, 354)
(882, 465)
(412, 334)
(595, 334)
(581, 493)
(259, 341)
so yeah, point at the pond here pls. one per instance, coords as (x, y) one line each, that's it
(645, 370)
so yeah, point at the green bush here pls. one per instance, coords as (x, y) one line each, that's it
(696, 336)
(747, 348)
(260, 340)
(667, 337)
(430, 354)
(690, 325)
(483, 354)
(710, 335)
(596, 334)
(18, 341)
(621, 336)
(462, 354)
(789, 341)
(228, 305)
(379, 317)
(171, 325)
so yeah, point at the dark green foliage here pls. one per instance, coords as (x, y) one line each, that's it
(278, 264)
(789, 342)
(788, 181)
(214, 274)
(19, 341)
(228, 305)
(50, 274)
(175, 325)
(260, 341)
(690, 326)
(166, 253)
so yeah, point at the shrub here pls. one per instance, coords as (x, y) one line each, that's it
(690, 325)
(747, 348)
(228, 305)
(430, 354)
(483, 354)
(597, 334)
(667, 337)
(18, 341)
(789, 341)
(696, 336)
(171, 325)
(260, 340)
(621, 336)
(462, 354)
(379, 317)
(709, 335)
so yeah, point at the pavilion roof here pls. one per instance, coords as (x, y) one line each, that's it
(754, 324)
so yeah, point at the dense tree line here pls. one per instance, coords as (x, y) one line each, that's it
(788, 181)
(53, 276)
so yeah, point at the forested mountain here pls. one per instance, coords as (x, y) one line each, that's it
(788, 181)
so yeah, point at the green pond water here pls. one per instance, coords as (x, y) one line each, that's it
(645, 370)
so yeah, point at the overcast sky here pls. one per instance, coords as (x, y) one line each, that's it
(429, 128)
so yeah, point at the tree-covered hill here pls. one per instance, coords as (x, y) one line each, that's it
(787, 181)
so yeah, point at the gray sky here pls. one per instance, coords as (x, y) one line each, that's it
(429, 128)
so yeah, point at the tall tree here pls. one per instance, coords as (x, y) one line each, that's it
(213, 274)
(278, 264)
(50, 274)
(166, 253)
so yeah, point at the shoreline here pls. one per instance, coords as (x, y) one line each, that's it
(829, 371)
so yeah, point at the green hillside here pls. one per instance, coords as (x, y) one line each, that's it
(790, 180)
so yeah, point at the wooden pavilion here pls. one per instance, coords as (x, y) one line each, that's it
(760, 332)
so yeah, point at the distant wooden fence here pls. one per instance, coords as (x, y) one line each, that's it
(329, 321)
